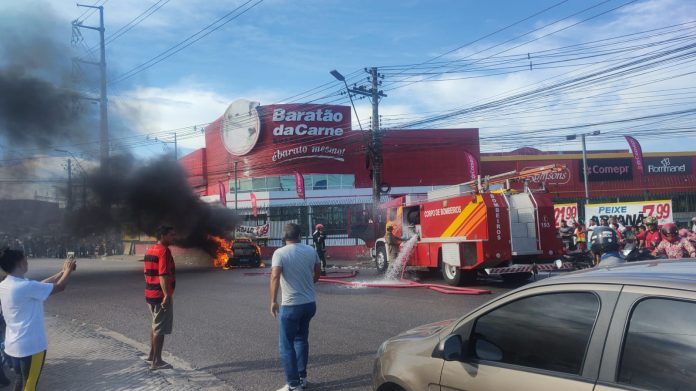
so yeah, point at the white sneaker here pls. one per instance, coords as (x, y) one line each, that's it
(303, 383)
(288, 388)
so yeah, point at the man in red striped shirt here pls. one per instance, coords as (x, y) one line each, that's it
(160, 280)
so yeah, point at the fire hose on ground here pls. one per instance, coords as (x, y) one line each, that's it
(339, 277)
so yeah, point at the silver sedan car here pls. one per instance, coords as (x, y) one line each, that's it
(631, 327)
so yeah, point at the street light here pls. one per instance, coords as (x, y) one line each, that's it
(340, 77)
(584, 158)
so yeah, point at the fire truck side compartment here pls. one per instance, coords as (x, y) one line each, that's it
(523, 230)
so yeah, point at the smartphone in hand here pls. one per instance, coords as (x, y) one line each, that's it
(71, 255)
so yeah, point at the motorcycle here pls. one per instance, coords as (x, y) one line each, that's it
(575, 260)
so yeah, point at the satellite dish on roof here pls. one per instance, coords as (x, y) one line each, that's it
(240, 127)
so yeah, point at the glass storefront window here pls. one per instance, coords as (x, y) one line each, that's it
(244, 184)
(258, 184)
(334, 181)
(287, 183)
(347, 181)
(273, 183)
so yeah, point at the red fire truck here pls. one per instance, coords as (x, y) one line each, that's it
(479, 226)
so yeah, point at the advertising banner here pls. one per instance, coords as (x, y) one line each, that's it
(299, 185)
(252, 198)
(565, 212)
(631, 213)
(668, 165)
(255, 232)
(599, 170)
(223, 194)
(472, 164)
(637, 153)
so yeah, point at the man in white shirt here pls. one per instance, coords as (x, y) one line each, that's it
(22, 307)
(295, 269)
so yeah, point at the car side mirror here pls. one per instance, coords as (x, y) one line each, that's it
(451, 348)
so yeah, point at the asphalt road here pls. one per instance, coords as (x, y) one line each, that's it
(223, 325)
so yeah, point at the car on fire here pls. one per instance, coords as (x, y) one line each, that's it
(629, 327)
(244, 253)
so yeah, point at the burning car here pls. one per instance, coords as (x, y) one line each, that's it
(244, 253)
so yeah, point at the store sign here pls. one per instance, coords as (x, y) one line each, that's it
(631, 213)
(565, 212)
(608, 170)
(667, 165)
(307, 131)
(551, 178)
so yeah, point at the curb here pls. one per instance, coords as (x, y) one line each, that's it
(84, 356)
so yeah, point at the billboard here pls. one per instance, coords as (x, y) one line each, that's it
(667, 165)
(601, 170)
(631, 213)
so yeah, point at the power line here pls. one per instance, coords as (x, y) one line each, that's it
(204, 32)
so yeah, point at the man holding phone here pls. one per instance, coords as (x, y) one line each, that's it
(22, 307)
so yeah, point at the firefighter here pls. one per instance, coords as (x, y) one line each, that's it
(392, 242)
(319, 239)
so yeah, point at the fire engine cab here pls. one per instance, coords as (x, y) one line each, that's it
(479, 226)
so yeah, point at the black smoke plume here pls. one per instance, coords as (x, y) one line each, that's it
(39, 105)
(138, 198)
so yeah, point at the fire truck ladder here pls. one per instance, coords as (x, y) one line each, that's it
(506, 178)
(483, 184)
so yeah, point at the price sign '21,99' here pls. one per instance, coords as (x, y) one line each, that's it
(565, 212)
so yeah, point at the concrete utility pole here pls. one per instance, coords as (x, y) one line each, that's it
(70, 197)
(235, 186)
(584, 158)
(103, 109)
(82, 170)
(375, 147)
(176, 150)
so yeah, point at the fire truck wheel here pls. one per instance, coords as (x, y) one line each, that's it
(381, 261)
(456, 276)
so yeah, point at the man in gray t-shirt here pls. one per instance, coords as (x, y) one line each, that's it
(295, 269)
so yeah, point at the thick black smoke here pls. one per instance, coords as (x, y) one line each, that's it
(138, 198)
(42, 108)
(39, 105)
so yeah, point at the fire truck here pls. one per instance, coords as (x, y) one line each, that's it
(497, 225)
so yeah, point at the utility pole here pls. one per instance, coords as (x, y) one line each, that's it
(176, 151)
(235, 186)
(584, 165)
(375, 147)
(69, 206)
(376, 143)
(584, 158)
(103, 110)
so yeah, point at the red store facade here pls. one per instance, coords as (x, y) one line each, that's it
(265, 146)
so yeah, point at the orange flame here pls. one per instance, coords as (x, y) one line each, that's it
(221, 253)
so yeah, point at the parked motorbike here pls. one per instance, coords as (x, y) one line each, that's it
(575, 260)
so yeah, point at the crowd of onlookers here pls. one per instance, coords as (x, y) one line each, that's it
(57, 246)
(666, 240)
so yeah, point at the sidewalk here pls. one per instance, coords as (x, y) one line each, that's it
(84, 357)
